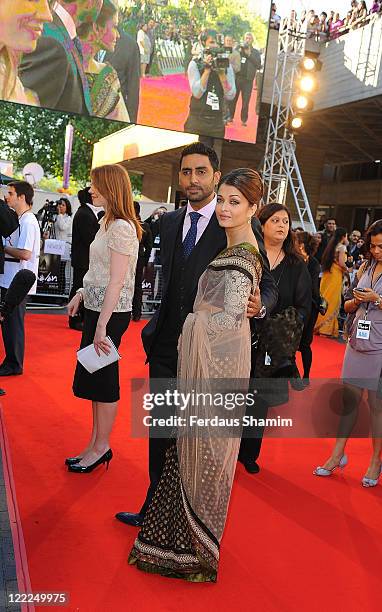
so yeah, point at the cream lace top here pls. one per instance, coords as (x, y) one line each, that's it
(120, 236)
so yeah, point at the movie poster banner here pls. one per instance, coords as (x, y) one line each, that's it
(184, 65)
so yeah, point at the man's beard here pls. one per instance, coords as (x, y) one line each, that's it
(200, 195)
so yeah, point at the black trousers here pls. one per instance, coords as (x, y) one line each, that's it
(13, 333)
(243, 87)
(162, 368)
(306, 341)
(213, 127)
(252, 436)
(137, 298)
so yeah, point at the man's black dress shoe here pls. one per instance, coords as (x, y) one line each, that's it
(250, 465)
(82, 469)
(297, 384)
(2, 392)
(5, 371)
(130, 518)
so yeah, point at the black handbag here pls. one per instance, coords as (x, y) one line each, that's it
(278, 342)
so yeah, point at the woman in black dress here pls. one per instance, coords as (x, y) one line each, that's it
(107, 294)
(287, 268)
(308, 246)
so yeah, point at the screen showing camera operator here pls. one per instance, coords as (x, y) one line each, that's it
(250, 64)
(212, 81)
(22, 250)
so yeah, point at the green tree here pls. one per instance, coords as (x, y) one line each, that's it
(35, 134)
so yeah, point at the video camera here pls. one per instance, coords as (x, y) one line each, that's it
(244, 46)
(47, 216)
(50, 210)
(220, 57)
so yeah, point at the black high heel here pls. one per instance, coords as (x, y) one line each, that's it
(84, 469)
(72, 460)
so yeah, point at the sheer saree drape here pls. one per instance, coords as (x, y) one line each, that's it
(191, 501)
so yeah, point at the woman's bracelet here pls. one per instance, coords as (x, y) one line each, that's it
(79, 292)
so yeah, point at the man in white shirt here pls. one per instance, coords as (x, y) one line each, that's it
(22, 250)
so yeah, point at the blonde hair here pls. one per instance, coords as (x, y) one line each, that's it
(9, 59)
(113, 183)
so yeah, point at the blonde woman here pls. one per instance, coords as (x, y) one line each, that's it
(107, 293)
(21, 25)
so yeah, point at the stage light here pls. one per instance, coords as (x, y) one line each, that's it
(301, 102)
(308, 83)
(308, 64)
(296, 123)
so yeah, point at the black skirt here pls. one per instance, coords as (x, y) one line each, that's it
(103, 385)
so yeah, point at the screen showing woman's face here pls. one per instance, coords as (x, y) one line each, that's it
(22, 22)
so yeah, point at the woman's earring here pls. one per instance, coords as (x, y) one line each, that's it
(249, 220)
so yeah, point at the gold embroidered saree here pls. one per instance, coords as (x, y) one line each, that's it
(184, 524)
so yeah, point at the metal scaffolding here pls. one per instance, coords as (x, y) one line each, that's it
(280, 162)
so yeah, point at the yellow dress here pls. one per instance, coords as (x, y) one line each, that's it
(331, 289)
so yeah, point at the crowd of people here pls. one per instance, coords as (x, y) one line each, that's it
(328, 26)
(241, 295)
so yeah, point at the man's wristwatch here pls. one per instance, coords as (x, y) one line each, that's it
(262, 312)
(378, 302)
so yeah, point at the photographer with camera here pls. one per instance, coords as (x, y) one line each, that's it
(250, 64)
(22, 250)
(212, 81)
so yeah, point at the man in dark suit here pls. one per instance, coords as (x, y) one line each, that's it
(355, 245)
(145, 247)
(198, 177)
(54, 71)
(85, 226)
(326, 235)
(126, 60)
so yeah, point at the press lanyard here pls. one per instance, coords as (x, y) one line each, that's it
(371, 286)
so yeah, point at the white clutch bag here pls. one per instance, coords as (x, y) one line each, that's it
(93, 362)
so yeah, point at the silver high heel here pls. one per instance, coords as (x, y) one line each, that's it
(321, 471)
(371, 482)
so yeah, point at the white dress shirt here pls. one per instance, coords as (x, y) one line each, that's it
(67, 20)
(95, 209)
(26, 236)
(206, 212)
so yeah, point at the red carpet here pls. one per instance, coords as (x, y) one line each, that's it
(292, 542)
(164, 103)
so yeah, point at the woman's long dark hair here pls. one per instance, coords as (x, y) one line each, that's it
(292, 255)
(68, 206)
(373, 230)
(310, 243)
(328, 255)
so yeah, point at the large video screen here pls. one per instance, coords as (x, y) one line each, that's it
(184, 65)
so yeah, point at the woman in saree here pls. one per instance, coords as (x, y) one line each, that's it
(333, 267)
(184, 524)
(21, 25)
(105, 88)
